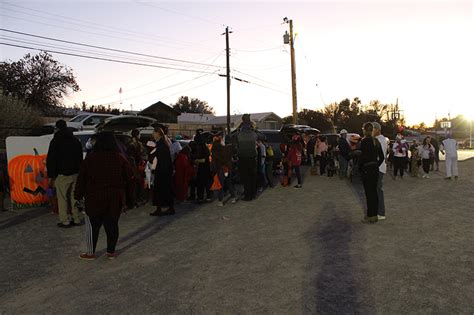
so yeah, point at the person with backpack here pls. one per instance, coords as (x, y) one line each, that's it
(295, 156)
(247, 153)
(269, 164)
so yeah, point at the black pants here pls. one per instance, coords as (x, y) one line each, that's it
(369, 179)
(398, 164)
(248, 176)
(93, 228)
(426, 165)
(322, 164)
(203, 182)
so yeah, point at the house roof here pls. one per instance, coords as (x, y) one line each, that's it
(158, 106)
(257, 117)
(195, 118)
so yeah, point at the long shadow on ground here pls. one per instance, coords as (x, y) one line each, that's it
(332, 287)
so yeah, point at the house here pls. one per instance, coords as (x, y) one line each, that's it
(268, 120)
(161, 112)
(194, 118)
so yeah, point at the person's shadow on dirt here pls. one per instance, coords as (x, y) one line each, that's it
(332, 287)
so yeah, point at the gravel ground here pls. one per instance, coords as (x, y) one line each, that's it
(290, 252)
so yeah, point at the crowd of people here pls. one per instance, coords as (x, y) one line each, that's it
(119, 175)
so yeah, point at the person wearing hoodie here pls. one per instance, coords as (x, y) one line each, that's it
(247, 153)
(63, 163)
(449, 146)
(400, 155)
(106, 183)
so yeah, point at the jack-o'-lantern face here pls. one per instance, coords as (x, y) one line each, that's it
(28, 179)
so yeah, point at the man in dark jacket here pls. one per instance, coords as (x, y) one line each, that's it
(344, 150)
(247, 153)
(63, 163)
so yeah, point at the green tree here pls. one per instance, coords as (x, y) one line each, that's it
(39, 80)
(193, 105)
(315, 119)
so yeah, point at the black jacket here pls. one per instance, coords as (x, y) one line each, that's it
(372, 155)
(344, 148)
(64, 155)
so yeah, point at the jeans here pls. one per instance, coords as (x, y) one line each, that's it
(298, 173)
(381, 199)
(343, 163)
(263, 173)
(93, 225)
(226, 182)
(311, 158)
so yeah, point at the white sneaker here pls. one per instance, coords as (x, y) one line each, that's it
(381, 217)
(220, 204)
(427, 176)
(233, 200)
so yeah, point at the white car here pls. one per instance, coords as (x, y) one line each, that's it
(86, 121)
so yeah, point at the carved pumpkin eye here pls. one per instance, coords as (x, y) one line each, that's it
(28, 169)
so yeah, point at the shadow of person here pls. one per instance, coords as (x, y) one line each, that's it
(331, 286)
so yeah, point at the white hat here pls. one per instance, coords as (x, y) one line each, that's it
(343, 131)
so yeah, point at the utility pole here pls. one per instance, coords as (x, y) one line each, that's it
(290, 39)
(228, 76)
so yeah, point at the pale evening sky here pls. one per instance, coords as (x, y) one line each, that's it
(417, 51)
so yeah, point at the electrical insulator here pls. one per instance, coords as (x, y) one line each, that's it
(286, 38)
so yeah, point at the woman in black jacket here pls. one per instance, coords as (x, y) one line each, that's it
(163, 168)
(369, 162)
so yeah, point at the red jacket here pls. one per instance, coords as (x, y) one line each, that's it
(295, 155)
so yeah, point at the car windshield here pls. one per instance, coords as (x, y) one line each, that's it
(273, 137)
(78, 118)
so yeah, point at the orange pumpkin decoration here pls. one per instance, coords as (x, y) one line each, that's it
(28, 179)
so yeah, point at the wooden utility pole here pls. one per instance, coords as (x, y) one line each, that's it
(228, 77)
(293, 74)
(289, 39)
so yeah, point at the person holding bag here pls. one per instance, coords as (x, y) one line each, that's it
(106, 183)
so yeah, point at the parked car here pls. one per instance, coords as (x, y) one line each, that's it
(273, 138)
(80, 122)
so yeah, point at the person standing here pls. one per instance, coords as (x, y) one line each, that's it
(400, 154)
(222, 167)
(247, 154)
(203, 173)
(270, 156)
(435, 158)
(310, 148)
(183, 173)
(295, 155)
(344, 157)
(262, 156)
(382, 170)
(414, 159)
(322, 152)
(427, 153)
(449, 147)
(63, 163)
(163, 181)
(106, 183)
(370, 160)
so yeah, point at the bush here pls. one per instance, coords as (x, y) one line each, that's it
(16, 118)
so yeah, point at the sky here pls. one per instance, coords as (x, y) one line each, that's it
(419, 52)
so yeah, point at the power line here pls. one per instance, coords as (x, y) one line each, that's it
(182, 14)
(105, 48)
(259, 50)
(94, 33)
(86, 23)
(105, 59)
(149, 83)
(19, 40)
